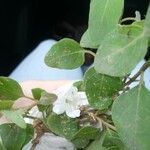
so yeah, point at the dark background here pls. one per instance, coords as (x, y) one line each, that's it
(25, 23)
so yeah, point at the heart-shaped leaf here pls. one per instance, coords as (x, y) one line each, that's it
(100, 88)
(65, 54)
(9, 89)
(131, 115)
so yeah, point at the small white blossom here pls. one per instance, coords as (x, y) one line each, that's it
(69, 100)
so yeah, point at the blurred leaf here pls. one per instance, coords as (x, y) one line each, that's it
(9, 89)
(103, 18)
(62, 125)
(29, 133)
(131, 115)
(82, 138)
(5, 104)
(65, 54)
(112, 141)
(100, 88)
(79, 85)
(13, 137)
(15, 117)
(36, 92)
(120, 52)
(86, 41)
(147, 23)
(45, 99)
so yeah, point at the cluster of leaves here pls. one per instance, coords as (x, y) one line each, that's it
(123, 112)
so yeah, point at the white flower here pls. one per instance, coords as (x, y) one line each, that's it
(69, 100)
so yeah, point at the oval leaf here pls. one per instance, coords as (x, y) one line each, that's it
(10, 89)
(103, 18)
(131, 115)
(62, 126)
(65, 54)
(120, 52)
(100, 88)
(13, 137)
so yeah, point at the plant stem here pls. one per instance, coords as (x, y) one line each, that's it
(142, 69)
(90, 52)
(30, 117)
(106, 124)
(128, 19)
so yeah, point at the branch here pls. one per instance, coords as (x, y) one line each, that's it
(90, 52)
(142, 69)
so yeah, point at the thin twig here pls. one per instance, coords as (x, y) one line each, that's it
(90, 52)
(128, 19)
(142, 69)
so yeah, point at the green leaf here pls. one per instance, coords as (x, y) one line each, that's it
(15, 117)
(79, 85)
(100, 88)
(131, 115)
(4, 104)
(9, 89)
(65, 54)
(62, 125)
(121, 51)
(86, 41)
(97, 144)
(45, 99)
(13, 137)
(2, 147)
(147, 23)
(103, 18)
(29, 133)
(112, 141)
(84, 135)
(36, 92)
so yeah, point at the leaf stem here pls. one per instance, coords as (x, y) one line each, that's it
(128, 19)
(90, 52)
(142, 69)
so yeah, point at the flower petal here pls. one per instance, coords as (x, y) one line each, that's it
(59, 109)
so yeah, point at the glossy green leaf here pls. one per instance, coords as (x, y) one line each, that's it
(65, 54)
(62, 125)
(103, 18)
(87, 42)
(120, 52)
(100, 88)
(2, 147)
(84, 135)
(15, 117)
(131, 115)
(13, 137)
(9, 89)
(4, 104)
(147, 23)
